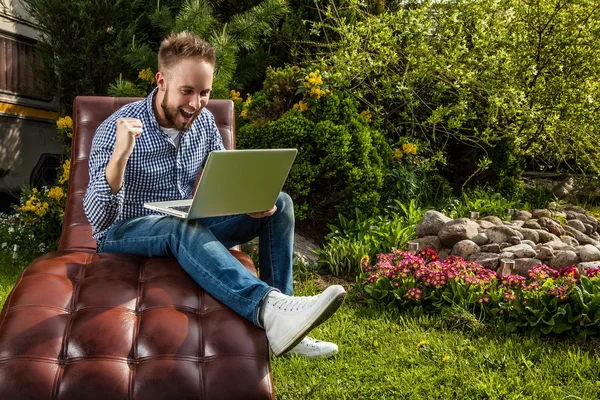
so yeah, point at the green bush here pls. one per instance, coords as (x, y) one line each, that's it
(341, 159)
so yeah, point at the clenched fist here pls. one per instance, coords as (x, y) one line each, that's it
(128, 130)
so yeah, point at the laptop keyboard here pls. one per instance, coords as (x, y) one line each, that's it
(181, 208)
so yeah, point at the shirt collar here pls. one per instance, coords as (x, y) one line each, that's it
(150, 110)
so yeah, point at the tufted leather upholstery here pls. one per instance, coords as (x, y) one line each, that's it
(81, 325)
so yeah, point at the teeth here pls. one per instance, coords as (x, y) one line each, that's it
(189, 114)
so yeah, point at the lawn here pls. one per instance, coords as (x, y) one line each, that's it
(386, 354)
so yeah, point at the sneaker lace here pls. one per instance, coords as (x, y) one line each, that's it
(293, 303)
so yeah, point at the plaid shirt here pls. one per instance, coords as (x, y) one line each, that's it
(157, 170)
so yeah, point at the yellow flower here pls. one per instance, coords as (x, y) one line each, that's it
(248, 100)
(235, 96)
(301, 106)
(409, 148)
(446, 358)
(244, 114)
(56, 193)
(397, 155)
(66, 172)
(147, 75)
(34, 190)
(316, 92)
(64, 123)
(366, 115)
(422, 343)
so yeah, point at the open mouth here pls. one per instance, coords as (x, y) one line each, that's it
(186, 114)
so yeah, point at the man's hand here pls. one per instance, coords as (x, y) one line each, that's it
(128, 130)
(267, 213)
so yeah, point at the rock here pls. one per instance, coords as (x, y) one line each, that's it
(431, 223)
(545, 253)
(514, 240)
(515, 224)
(485, 224)
(455, 231)
(557, 245)
(480, 239)
(571, 241)
(577, 209)
(545, 236)
(523, 215)
(523, 265)
(530, 234)
(500, 234)
(541, 213)
(571, 214)
(528, 242)
(563, 258)
(521, 251)
(464, 248)
(490, 248)
(507, 254)
(430, 242)
(582, 238)
(589, 253)
(577, 224)
(494, 220)
(589, 265)
(444, 253)
(531, 224)
(487, 260)
(552, 226)
(504, 245)
(589, 229)
(564, 188)
(595, 235)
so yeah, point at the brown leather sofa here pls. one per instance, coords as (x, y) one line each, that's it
(81, 325)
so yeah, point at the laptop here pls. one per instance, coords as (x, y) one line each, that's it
(234, 182)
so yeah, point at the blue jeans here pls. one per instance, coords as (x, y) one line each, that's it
(201, 247)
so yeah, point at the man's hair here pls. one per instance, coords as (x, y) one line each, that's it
(184, 45)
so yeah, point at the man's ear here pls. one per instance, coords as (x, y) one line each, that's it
(161, 81)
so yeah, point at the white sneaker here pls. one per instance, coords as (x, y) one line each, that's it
(287, 319)
(311, 348)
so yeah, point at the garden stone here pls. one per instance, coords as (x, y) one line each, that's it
(564, 188)
(541, 213)
(530, 234)
(500, 234)
(595, 235)
(523, 215)
(515, 224)
(506, 254)
(504, 245)
(521, 251)
(528, 242)
(485, 224)
(571, 241)
(444, 253)
(557, 245)
(589, 229)
(582, 238)
(589, 253)
(465, 248)
(430, 242)
(577, 209)
(480, 239)
(545, 236)
(545, 253)
(564, 258)
(493, 219)
(586, 219)
(514, 240)
(531, 224)
(523, 265)
(431, 223)
(571, 214)
(490, 248)
(487, 260)
(455, 231)
(589, 264)
(552, 226)
(577, 224)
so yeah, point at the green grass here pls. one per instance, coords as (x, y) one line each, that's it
(380, 358)
(385, 354)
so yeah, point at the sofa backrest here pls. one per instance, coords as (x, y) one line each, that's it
(88, 113)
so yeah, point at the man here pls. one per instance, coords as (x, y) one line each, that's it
(153, 150)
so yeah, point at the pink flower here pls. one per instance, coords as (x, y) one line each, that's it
(414, 293)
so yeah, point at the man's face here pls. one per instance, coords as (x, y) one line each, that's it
(186, 92)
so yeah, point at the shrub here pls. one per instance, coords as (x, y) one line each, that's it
(545, 302)
(341, 159)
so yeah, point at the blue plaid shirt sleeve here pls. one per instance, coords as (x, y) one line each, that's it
(217, 141)
(101, 206)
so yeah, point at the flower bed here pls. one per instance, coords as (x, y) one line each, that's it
(547, 301)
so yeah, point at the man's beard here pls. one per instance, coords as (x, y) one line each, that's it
(171, 114)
